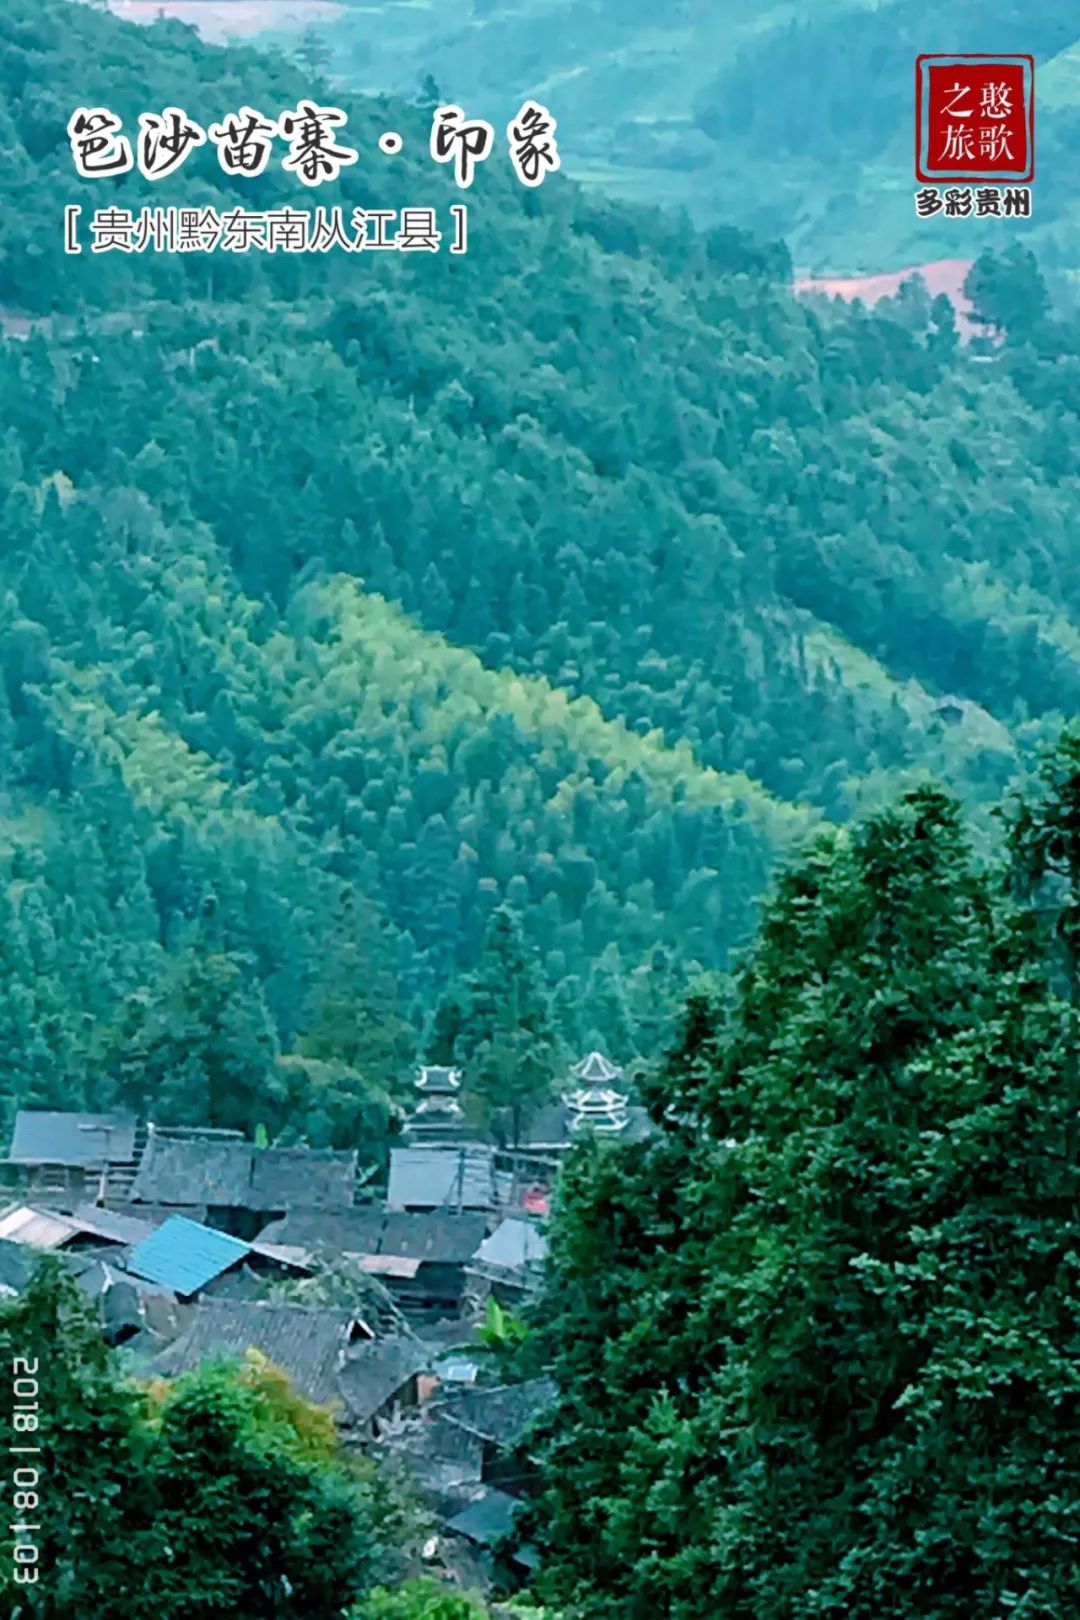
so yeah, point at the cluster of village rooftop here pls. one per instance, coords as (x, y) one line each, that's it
(197, 1245)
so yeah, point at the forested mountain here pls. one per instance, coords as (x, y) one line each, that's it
(793, 119)
(350, 604)
(482, 658)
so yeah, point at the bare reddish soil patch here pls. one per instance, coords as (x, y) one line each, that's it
(941, 276)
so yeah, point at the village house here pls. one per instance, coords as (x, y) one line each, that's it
(466, 1454)
(93, 1244)
(487, 1522)
(239, 1186)
(419, 1255)
(330, 1355)
(189, 1258)
(500, 1418)
(510, 1262)
(133, 1311)
(64, 1159)
(86, 1227)
(449, 1178)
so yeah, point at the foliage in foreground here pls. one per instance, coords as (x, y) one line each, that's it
(224, 1496)
(430, 1600)
(820, 1344)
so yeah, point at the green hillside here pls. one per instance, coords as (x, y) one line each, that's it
(354, 606)
(793, 121)
(488, 659)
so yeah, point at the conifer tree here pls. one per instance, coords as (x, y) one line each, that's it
(819, 1343)
(511, 1044)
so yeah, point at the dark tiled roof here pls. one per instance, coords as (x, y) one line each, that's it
(456, 1334)
(329, 1232)
(447, 1442)
(487, 1519)
(121, 1310)
(374, 1373)
(500, 1415)
(97, 1273)
(447, 1239)
(549, 1128)
(640, 1126)
(444, 1470)
(241, 1283)
(307, 1344)
(512, 1246)
(188, 1170)
(302, 1178)
(155, 1213)
(41, 1137)
(105, 1223)
(437, 1236)
(182, 1170)
(441, 1177)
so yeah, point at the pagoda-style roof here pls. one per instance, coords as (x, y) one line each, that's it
(596, 1101)
(438, 1113)
(441, 1105)
(438, 1080)
(611, 1122)
(596, 1104)
(595, 1070)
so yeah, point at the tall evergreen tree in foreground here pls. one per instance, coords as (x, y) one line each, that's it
(820, 1342)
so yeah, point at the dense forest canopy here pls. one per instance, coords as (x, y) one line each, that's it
(346, 602)
(794, 120)
(818, 1338)
(484, 658)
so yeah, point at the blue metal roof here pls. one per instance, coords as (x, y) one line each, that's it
(185, 1256)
